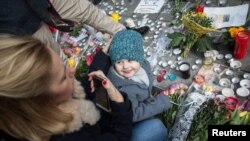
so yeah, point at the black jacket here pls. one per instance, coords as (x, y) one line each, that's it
(116, 126)
(18, 18)
(24, 17)
(96, 64)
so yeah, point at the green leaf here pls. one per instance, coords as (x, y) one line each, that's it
(173, 114)
(76, 30)
(197, 139)
(234, 114)
(216, 114)
(81, 70)
(175, 35)
(235, 118)
(177, 39)
(204, 44)
(236, 122)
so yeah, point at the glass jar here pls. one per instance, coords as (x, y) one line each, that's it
(208, 62)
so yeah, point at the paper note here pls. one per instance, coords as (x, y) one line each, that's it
(149, 6)
(228, 16)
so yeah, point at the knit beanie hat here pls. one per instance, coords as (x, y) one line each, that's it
(126, 44)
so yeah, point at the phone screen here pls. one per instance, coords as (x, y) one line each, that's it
(102, 99)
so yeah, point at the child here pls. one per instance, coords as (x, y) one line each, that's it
(131, 73)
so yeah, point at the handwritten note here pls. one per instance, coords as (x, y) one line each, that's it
(228, 16)
(149, 6)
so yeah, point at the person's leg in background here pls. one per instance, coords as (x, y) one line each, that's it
(149, 130)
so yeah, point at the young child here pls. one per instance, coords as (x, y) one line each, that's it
(131, 73)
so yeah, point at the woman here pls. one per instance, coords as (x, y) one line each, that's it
(20, 18)
(41, 101)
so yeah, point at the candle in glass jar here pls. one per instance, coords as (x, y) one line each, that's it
(241, 44)
(185, 70)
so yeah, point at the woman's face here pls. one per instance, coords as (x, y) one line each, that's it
(127, 68)
(62, 85)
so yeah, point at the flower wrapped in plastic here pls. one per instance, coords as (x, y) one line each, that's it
(196, 26)
(176, 93)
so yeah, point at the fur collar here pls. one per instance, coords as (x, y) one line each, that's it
(83, 111)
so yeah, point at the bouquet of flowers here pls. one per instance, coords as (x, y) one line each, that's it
(229, 36)
(176, 94)
(217, 112)
(200, 105)
(196, 25)
(190, 115)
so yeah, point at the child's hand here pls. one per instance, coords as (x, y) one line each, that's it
(96, 74)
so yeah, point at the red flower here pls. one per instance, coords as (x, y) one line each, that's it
(160, 78)
(52, 29)
(199, 8)
(163, 72)
(89, 58)
(231, 103)
(97, 49)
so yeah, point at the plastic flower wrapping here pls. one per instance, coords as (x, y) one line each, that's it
(196, 26)
(199, 105)
(198, 110)
(176, 93)
(80, 46)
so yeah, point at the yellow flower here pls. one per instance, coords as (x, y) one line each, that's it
(242, 114)
(245, 116)
(241, 29)
(207, 88)
(201, 14)
(115, 17)
(247, 119)
(71, 62)
(234, 31)
(78, 50)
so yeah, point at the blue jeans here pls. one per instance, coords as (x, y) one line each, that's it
(149, 130)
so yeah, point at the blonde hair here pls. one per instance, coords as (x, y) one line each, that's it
(26, 107)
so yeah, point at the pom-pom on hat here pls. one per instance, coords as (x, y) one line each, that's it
(127, 44)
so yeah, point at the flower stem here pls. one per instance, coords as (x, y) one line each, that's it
(191, 40)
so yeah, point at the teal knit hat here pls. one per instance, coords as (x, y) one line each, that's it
(126, 44)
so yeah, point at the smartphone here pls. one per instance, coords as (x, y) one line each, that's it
(102, 99)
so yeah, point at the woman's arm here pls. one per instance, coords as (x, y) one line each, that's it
(101, 62)
(85, 12)
(120, 121)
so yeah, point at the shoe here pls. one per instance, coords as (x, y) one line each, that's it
(95, 2)
(142, 30)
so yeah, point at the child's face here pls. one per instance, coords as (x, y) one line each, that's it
(127, 68)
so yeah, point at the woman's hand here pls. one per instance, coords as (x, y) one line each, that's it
(113, 93)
